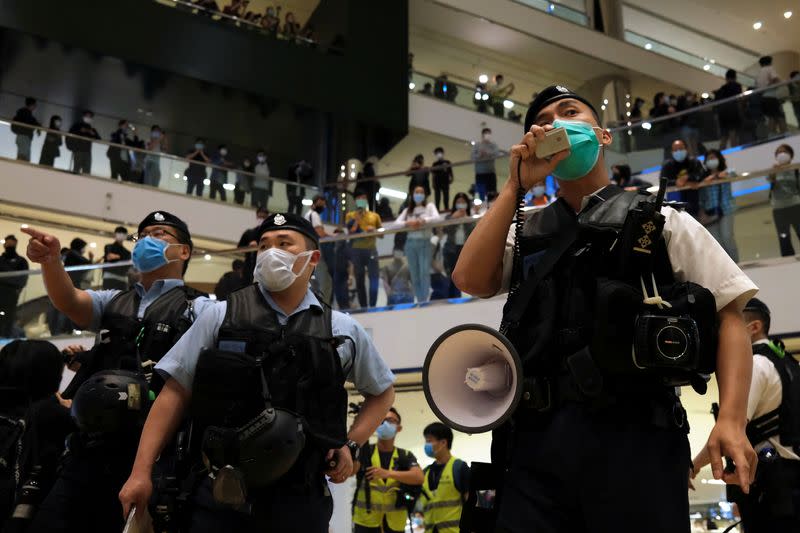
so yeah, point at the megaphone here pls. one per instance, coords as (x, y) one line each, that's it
(472, 378)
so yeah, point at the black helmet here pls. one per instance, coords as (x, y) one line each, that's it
(112, 401)
(263, 450)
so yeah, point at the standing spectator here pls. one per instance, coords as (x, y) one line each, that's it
(396, 280)
(231, 281)
(271, 20)
(484, 152)
(136, 171)
(262, 185)
(718, 205)
(794, 93)
(636, 110)
(118, 157)
(498, 93)
(73, 256)
(152, 161)
(368, 185)
(660, 105)
(689, 122)
(24, 115)
(10, 288)
(621, 175)
(209, 5)
(219, 176)
(237, 9)
(115, 252)
(81, 148)
(539, 197)
(52, 143)
(244, 181)
(770, 105)
(364, 251)
(729, 113)
(290, 27)
(300, 173)
(418, 173)
(384, 209)
(250, 238)
(785, 198)
(442, 171)
(456, 237)
(326, 269)
(683, 170)
(418, 244)
(196, 173)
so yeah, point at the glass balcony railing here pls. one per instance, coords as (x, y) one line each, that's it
(475, 98)
(196, 175)
(708, 65)
(558, 10)
(751, 117)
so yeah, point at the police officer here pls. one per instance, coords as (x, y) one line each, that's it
(446, 481)
(271, 353)
(384, 470)
(773, 429)
(595, 435)
(136, 327)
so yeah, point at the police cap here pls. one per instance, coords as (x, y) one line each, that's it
(162, 218)
(289, 221)
(554, 93)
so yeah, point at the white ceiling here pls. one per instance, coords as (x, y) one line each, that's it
(732, 21)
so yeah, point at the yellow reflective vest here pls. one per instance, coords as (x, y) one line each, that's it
(383, 499)
(443, 505)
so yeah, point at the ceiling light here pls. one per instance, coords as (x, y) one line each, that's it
(627, 104)
(627, 97)
(392, 193)
(176, 176)
(648, 46)
(92, 245)
(757, 25)
(411, 86)
(352, 165)
(646, 125)
(508, 104)
(787, 14)
(704, 95)
(483, 78)
(23, 226)
(477, 95)
(605, 101)
(602, 107)
(229, 186)
(712, 61)
(628, 114)
(206, 182)
(630, 132)
(207, 257)
(341, 167)
(629, 123)
(307, 202)
(706, 67)
(485, 96)
(748, 92)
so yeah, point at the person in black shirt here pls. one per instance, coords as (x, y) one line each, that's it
(25, 135)
(418, 173)
(82, 148)
(52, 143)
(118, 158)
(196, 173)
(682, 170)
(116, 278)
(442, 172)
(231, 281)
(250, 238)
(621, 175)
(730, 113)
(57, 321)
(10, 288)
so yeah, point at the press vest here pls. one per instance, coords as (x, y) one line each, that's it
(300, 362)
(443, 505)
(581, 298)
(383, 498)
(123, 333)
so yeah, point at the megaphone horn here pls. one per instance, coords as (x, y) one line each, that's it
(472, 378)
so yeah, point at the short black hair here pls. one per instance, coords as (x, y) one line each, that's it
(438, 149)
(759, 311)
(359, 192)
(730, 74)
(200, 140)
(237, 264)
(221, 146)
(121, 121)
(723, 165)
(29, 101)
(33, 366)
(439, 431)
(121, 229)
(155, 127)
(11, 238)
(77, 244)
(87, 112)
(785, 148)
(486, 130)
(624, 173)
(393, 410)
(319, 197)
(419, 157)
(765, 61)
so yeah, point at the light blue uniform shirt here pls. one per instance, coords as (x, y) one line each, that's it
(100, 299)
(362, 364)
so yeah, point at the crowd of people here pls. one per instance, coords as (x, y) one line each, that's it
(268, 22)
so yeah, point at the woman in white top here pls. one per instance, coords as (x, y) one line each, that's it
(418, 245)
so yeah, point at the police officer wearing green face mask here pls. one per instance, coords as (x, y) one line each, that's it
(263, 380)
(600, 428)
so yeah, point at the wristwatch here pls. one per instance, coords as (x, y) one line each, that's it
(355, 449)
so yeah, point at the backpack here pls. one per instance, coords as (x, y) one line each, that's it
(12, 460)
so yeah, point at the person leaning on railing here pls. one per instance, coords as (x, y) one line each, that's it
(785, 198)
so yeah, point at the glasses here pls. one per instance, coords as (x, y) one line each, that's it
(156, 234)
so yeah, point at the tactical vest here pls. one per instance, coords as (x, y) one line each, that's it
(299, 360)
(573, 289)
(123, 333)
(443, 505)
(784, 421)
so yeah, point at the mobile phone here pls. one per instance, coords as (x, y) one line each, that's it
(555, 140)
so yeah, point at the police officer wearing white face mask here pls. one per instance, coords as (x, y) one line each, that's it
(271, 350)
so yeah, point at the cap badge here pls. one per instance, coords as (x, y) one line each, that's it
(280, 220)
(159, 217)
(561, 89)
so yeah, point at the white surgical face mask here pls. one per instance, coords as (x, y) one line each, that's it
(262, 158)
(121, 236)
(87, 120)
(783, 158)
(487, 136)
(274, 268)
(712, 164)
(439, 156)
(223, 151)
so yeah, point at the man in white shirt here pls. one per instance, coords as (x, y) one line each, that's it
(770, 105)
(573, 463)
(774, 502)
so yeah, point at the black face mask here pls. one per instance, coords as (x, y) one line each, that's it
(319, 209)
(10, 249)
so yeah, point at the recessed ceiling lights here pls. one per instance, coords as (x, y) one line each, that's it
(648, 46)
(787, 14)
(757, 25)
(705, 95)
(483, 78)
(706, 67)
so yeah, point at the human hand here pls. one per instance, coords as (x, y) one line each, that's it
(374, 472)
(112, 257)
(136, 492)
(692, 475)
(533, 170)
(42, 247)
(414, 223)
(369, 228)
(63, 402)
(344, 464)
(91, 255)
(728, 439)
(70, 352)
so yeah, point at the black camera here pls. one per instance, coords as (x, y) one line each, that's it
(666, 343)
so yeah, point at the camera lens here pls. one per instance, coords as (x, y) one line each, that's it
(672, 342)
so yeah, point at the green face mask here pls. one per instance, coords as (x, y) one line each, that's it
(584, 150)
